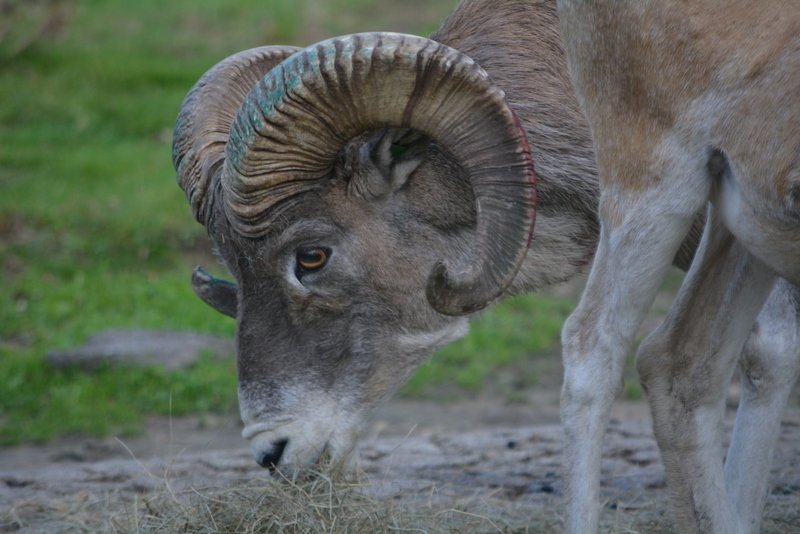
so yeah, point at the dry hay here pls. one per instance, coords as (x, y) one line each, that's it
(313, 502)
(317, 500)
(323, 500)
(320, 502)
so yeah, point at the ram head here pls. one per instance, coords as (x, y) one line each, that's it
(366, 193)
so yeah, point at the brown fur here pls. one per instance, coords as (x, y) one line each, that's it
(689, 103)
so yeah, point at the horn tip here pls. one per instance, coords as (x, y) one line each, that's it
(445, 296)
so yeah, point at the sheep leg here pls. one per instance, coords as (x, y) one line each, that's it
(686, 365)
(769, 367)
(633, 256)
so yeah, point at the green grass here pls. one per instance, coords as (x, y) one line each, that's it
(519, 329)
(39, 403)
(95, 233)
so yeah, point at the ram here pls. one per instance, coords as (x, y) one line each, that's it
(371, 193)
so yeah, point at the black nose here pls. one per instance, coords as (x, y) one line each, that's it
(270, 459)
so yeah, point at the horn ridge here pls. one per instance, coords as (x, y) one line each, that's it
(297, 119)
(203, 124)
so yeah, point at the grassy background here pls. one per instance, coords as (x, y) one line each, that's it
(95, 233)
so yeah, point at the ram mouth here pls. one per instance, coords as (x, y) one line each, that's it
(324, 461)
(251, 431)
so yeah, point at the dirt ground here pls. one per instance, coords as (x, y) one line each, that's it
(503, 458)
(418, 452)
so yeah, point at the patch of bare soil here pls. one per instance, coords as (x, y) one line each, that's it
(504, 456)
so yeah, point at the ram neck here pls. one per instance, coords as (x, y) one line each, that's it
(518, 43)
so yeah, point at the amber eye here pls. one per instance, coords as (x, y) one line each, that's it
(311, 258)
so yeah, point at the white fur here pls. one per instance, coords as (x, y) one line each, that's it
(320, 423)
(419, 341)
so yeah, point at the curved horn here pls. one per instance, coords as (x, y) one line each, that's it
(294, 123)
(204, 121)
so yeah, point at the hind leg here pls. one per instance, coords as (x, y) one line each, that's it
(769, 367)
(686, 366)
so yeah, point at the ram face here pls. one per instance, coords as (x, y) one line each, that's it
(366, 193)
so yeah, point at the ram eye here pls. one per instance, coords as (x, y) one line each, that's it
(311, 259)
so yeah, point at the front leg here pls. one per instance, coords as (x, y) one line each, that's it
(631, 262)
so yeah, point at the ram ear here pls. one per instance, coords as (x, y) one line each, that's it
(398, 153)
(385, 161)
(216, 292)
